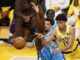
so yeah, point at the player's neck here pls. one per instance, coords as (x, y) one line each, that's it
(63, 30)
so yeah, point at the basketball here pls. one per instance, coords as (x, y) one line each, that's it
(19, 43)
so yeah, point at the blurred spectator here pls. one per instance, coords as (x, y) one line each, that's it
(66, 9)
(51, 14)
(74, 10)
(4, 3)
(6, 11)
(4, 20)
(42, 3)
(63, 4)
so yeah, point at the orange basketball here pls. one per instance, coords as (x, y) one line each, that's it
(19, 43)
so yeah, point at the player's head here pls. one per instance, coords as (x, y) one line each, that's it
(61, 19)
(50, 14)
(48, 24)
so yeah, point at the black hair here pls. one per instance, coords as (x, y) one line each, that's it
(50, 13)
(61, 17)
(47, 19)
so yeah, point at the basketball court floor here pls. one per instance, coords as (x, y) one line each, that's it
(8, 52)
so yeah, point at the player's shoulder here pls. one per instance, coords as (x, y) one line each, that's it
(72, 29)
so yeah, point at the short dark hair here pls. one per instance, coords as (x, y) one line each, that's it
(47, 19)
(50, 13)
(61, 17)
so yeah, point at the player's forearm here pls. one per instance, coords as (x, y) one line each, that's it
(29, 44)
(69, 46)
(45, 42)
(71, 40)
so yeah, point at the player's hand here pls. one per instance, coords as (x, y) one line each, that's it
(35, 7)
(12, 40)
(29, 44)
(39, 35)
(57, 50)
(26, 18)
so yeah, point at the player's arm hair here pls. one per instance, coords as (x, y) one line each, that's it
(71, 39)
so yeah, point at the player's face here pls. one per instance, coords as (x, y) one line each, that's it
(47, 25)
(61, 24)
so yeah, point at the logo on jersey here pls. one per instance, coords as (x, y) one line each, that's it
(64, 40)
